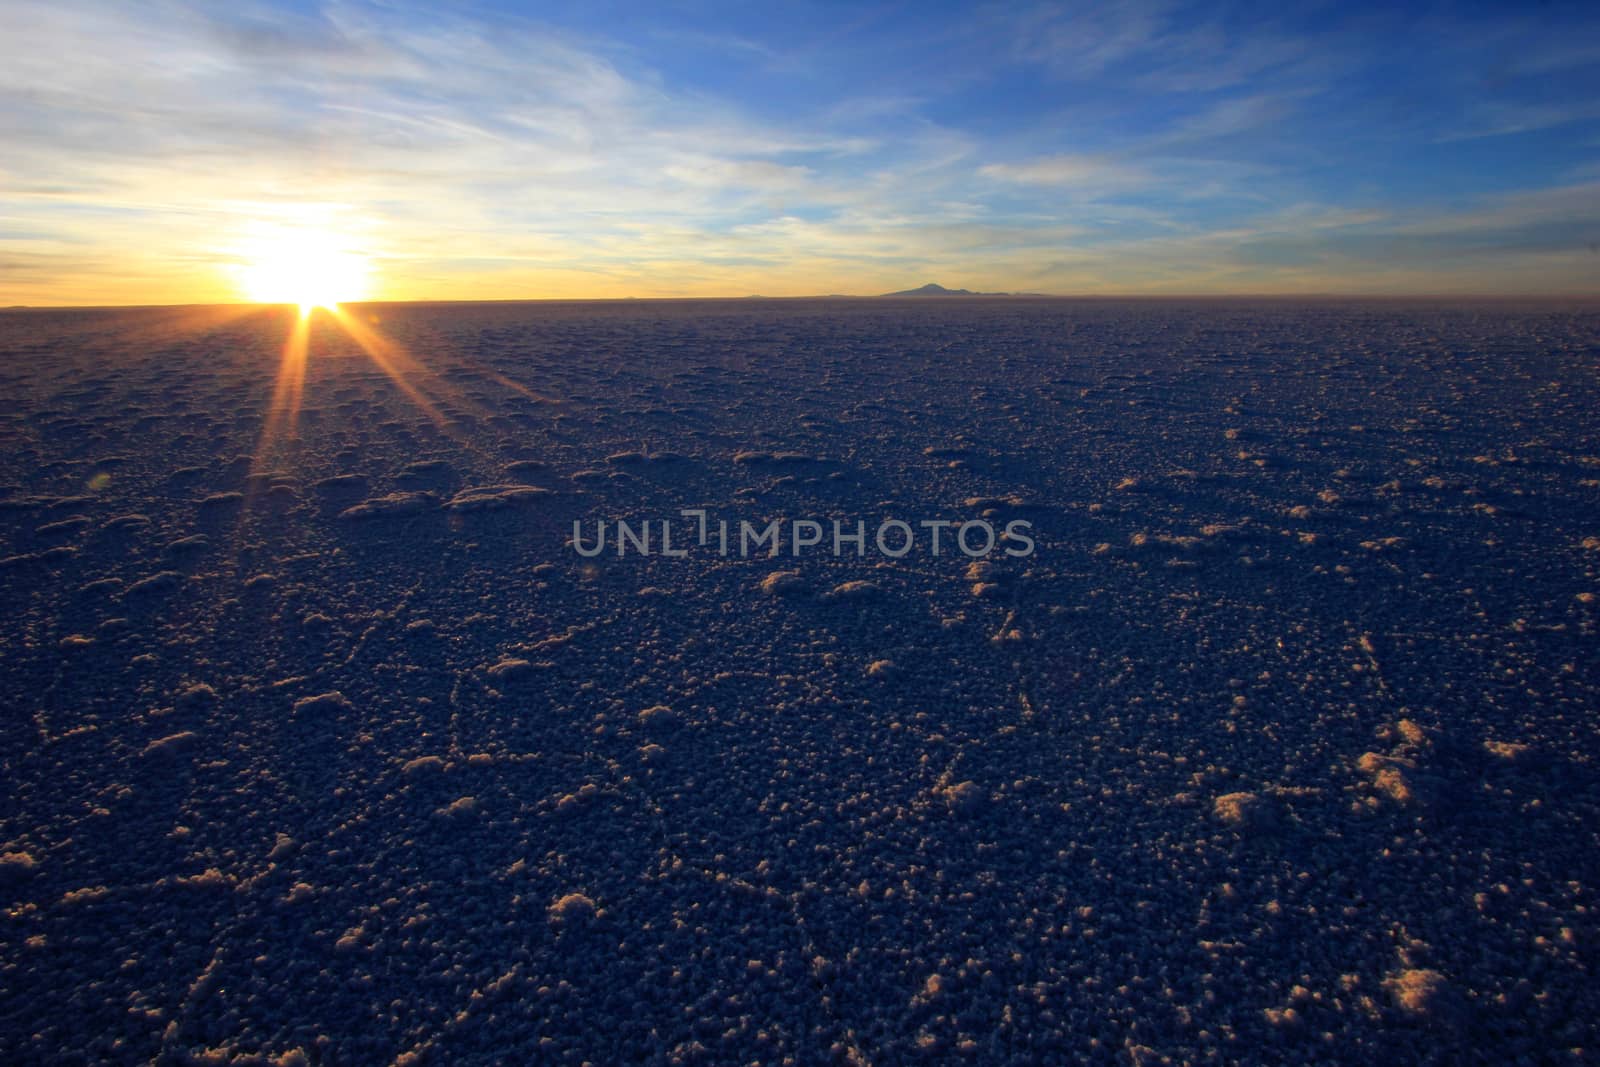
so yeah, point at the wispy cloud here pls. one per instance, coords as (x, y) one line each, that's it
(1073, 145)
(1088, 173)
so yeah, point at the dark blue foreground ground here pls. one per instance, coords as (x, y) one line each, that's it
(1280, 748)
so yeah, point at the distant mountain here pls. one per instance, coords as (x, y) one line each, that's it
(932, 289)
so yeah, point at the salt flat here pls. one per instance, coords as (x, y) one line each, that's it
(320, 739)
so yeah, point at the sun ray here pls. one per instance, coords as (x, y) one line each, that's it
(393, 360)
(292, 374)
(421, 385)
(509, 383)
(415, 379)
(457, 357)
(287, 390)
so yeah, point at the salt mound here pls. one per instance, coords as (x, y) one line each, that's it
(172, 744)
(1506, 750)
(756, 458)
(393, 504)
(157, 583)
(852, 590)
(780, 582)
(196, 698)
(658, 716)
(185, 545)
(1389, 778)
(964, 798)
(510, 669)
(571, 907)
(421, 764)
(458, 807)
(1244, 811)
(994, 503)
(1422, 993)
(494, 497)
(330, 703)
(15, 866)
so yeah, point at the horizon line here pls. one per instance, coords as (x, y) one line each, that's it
(951, 297)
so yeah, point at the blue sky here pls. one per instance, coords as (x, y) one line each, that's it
(506, 150)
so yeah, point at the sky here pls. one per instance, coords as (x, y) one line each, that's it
(159, 152)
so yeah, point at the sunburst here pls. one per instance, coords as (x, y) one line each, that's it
(304, 266)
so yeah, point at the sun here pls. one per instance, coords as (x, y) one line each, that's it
(309, 267)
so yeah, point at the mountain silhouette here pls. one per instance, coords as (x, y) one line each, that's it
(933, 289)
